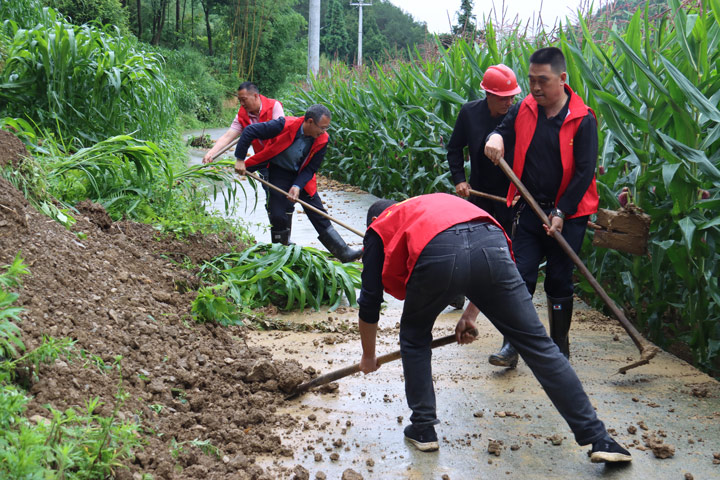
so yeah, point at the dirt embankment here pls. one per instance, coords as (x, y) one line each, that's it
(116, 293)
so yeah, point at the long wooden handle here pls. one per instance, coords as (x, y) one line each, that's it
(489, 196)
(305, 204)
(347, 371)
(647, 350)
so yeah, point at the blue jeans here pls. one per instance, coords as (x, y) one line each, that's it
(473, 259)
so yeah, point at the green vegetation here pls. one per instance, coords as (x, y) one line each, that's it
(655, 89)
(74, 444)
(291, 277)
(83, 83)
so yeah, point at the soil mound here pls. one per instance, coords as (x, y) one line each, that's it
(116, 291)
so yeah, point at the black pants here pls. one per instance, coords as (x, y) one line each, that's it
(280, 206)
(473, 259)
(531, 244)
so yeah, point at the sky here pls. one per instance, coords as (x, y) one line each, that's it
(435, 13)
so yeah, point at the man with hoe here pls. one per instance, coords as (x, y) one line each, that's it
(476, 120)
(294, 150)
(254, 108)
(430, 248)
(554, 135)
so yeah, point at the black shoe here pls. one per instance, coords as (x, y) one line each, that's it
(458, 302)
(423, 438)
(506, 357)
(608, 450)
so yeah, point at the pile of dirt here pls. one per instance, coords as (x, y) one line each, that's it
(117, 293)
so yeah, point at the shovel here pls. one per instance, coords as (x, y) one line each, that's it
(647, 349)
(381, 360)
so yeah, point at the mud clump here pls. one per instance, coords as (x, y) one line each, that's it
(495, 447)
(351, 474)
(117, 293)
(659, 448)
(12, 150)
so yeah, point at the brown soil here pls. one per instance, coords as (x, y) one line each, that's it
(117, 292)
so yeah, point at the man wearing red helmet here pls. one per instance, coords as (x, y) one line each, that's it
(554, 135)
(476, 120)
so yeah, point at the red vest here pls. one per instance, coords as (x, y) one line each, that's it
(525, 124)
(407, 227)
(266, 113)
(278, 144)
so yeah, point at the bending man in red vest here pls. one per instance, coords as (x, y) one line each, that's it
(254, 108)
(556, 146)
(430, 248)
(295, 148)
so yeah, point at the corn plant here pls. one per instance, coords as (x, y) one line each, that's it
(287, 276)
(88, 82)
(10, 336)
(657, 91)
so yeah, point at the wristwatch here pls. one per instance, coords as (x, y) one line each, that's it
(556, 212)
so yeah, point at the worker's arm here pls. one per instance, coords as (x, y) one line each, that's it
(370, 299)
(221, 143)
(306, 174)
(262, 131)
(368, 336)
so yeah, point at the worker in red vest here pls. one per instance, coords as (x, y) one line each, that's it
(254, 108)
(425, 251)
(294, 150)
(476, 120)
(555, 141)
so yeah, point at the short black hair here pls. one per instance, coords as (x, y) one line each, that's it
(377, 208)
(316, 112)
(249, 86)
(552, 56)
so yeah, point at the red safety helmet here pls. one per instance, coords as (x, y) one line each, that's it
(500, 80)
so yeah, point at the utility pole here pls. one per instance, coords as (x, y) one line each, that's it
(313, 39)
(360, 6)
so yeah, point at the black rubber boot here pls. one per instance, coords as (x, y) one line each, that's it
(332, 240)
(560, 316)
(289, 226)
(506, 357)
(280, 236)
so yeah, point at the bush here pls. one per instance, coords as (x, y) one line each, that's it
(105, 12)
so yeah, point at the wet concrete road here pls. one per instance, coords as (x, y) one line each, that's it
(363, 421)
(360, 425)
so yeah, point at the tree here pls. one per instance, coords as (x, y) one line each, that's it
(465, 26)
(334, 40)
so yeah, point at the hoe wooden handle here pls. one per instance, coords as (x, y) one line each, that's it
(347, 371)
(647, 350)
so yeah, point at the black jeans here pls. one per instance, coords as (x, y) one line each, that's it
(531, 244)
(280, 206)
(473, 259)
